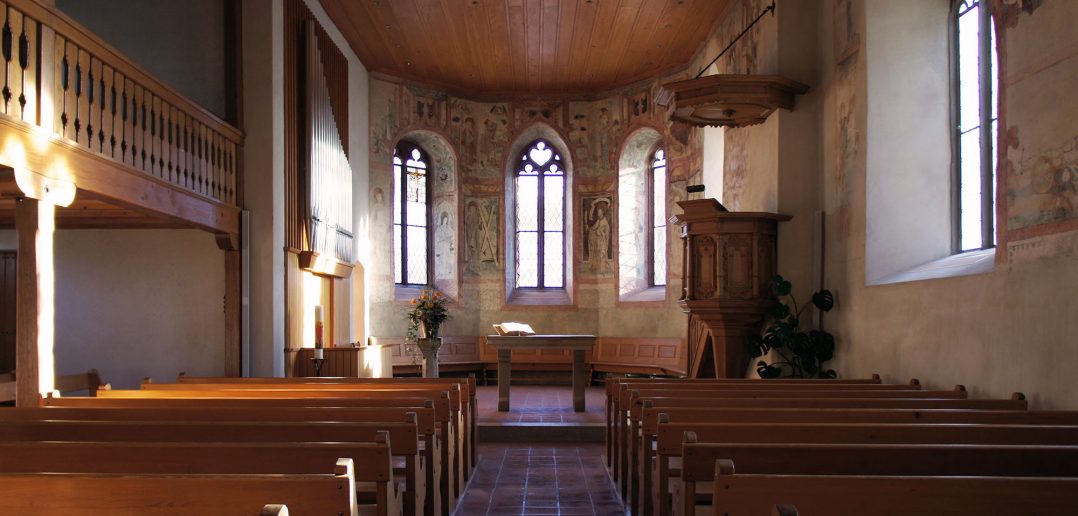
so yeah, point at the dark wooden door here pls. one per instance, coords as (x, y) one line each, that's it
(7, 311)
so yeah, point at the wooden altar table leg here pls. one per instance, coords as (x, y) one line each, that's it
(504, 356)
(579, 380)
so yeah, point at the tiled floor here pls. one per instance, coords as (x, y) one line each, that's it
(533, 480)
(541, 404)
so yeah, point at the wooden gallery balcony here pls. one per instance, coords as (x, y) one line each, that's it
(85, 128)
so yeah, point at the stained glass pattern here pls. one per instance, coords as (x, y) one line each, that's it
(540, 218)
(411, 218)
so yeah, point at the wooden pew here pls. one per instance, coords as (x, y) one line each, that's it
(205, 399)
(453, 444)
(628, 439)
(423, 412)
(673, 439)
(372, 476)
(469, 382)
(613, 386)
(403, 438)
(627, 391)
(36, 494)
(465, 386)
(88, 381)
(697, 473)
(849, 495)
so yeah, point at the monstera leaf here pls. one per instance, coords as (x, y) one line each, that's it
(766, 371)
(824, 300)
(798, 353)
(755, 346)
(780, 286)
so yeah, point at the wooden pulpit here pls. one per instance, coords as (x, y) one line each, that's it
(730, 258)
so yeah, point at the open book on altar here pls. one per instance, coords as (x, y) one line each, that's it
(514, 329)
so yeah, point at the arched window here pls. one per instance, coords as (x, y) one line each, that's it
(540, 218)
(657, 218)
(411, 215)
(974, 87)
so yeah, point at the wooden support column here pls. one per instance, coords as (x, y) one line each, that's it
(233, 359)
(35, 301)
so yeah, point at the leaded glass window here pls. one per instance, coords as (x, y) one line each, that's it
(975, 97)
(411, 215)
(540, 218)
(657, 219)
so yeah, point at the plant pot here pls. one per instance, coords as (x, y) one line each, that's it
(429, 347)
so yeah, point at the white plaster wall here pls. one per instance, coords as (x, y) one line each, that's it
(798, 151)
(713, 161)
(1008, 330)
(908, 147)
(263, 164)
(180, 43)
(136, 303)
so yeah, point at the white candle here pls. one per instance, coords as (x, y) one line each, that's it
(317, 313)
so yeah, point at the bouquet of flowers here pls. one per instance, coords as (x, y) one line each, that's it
(428, 312)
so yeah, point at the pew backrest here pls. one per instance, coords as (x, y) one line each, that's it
(424, 414)
(739, 493)
(403, 437)
(670, 436)
(698, 459)
(33, 494)
(650, 418)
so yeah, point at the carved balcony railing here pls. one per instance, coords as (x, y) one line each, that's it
(61, 77)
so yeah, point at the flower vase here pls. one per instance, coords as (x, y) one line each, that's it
(429, 347)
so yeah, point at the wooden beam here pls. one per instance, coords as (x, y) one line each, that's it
(233, 358)
(34, 293)
(111, 181)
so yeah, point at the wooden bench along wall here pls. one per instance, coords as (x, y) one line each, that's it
(748, 494)
(403, 439)
(36, 494)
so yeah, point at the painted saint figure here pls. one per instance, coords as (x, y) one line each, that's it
(598, 235)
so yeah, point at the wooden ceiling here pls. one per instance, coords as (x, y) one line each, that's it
(484, 48)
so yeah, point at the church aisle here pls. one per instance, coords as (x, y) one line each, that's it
(525, 479)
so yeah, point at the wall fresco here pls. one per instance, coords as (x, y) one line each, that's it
(596, 214)
(1044, 188)
(467, 142)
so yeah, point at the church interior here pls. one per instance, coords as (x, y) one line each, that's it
(515, 257)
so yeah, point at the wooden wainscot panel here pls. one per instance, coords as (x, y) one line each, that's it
(640, 355)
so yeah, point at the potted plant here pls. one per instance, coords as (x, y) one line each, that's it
(429, 311)
(800, 353)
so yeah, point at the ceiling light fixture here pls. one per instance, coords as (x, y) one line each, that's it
(728, 100)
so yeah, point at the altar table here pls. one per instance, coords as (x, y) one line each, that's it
(505, 345)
